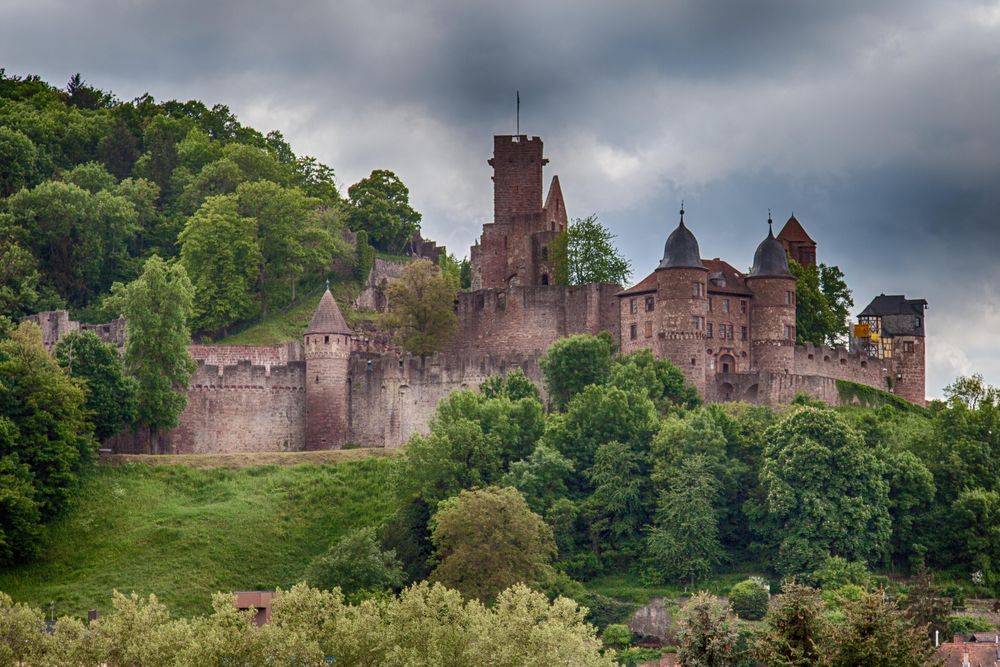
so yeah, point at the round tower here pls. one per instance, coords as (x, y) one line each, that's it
(772, 311)
(682, 305)
(327, 355)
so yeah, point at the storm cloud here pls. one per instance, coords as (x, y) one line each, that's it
(876, 123)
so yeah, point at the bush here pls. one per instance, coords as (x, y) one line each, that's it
(356, 564)
(964, 625)
(749, 599)
(617, 635)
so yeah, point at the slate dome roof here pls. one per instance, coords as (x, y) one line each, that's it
(770, 260)
(681, 249)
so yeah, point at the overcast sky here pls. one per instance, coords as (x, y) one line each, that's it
(877, 123)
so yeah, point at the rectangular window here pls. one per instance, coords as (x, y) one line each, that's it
(788, 298)
(908, 346)
(725, 305)
(708, 330)
(633, 306)
(633, 332)
(743, 333)
(743, 306)
(650, 304)
(697, 323)
(710, 304)
(789, 332)
(697, 290)
(649, 330)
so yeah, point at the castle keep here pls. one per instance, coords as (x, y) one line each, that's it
(731, 333)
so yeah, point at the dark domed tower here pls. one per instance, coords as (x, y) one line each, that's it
(682, 304)
(327, 354)
(772, 312)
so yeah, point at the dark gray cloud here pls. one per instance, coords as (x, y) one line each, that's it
(874, 122)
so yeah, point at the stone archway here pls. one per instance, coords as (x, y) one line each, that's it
(727, 363)
(726, 391)
(750, 395)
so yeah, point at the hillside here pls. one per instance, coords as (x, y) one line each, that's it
(184, 533)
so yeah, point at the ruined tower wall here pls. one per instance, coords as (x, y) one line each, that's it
(522, 321)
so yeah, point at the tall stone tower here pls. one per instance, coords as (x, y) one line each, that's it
(772, 314)
(517, 175)
(327, 354)
(682, 302)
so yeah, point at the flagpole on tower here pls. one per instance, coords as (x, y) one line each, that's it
(517, 125)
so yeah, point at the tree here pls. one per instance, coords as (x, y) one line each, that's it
(514, 385)
(925, 605)
(20, 518)
(220, 254)
(795, 629)
(875, 632)
(572, 363)
(541, 478)
(21, 292)
(599, 415)
(421, 308)
(356, 564)
(585, 253)
(17, 161)
(23, 640)
(822, 304)
(618, 507)
(707, 633)
(111, 396)
(825, 492)
(749, 599)
(45, 427)
(518, 547)
(157, 306)
(380, 205)
(683, 543)
(976, 530)
(663, 382)
(616, 635)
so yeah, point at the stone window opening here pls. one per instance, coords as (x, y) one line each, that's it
(650, 304)
(694, 362)
(633, 332)
(545, 252)
(317, 379)
(708, 330)
(633, 306)
(710, 304)
(326, 340)
(545, 279)
(743, 333)
(697, 290)
(649, 330)
(908, 346)
(725, 305)
(743, 306)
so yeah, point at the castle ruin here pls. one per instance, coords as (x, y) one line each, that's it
(732, 334)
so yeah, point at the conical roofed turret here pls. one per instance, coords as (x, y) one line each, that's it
(681, 249)
(328, 319)
(771, 259)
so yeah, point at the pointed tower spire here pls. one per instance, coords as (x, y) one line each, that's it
(682, 211)
(328, 319)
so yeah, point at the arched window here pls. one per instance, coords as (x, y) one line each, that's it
(545, 279)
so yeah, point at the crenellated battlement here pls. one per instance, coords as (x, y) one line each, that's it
(841, 364)
(246, 376)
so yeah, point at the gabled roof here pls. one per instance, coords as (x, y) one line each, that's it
(794, 232)
(647, 284)
(893, 304)
(328, 319)
(724, 277)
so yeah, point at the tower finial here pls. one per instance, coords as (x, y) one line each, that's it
(769, 223)
(682, 211)
(517, 122)
(327, 284)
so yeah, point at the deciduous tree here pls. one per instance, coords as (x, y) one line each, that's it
(573, 362)
(380, 205)
(585, 253)
(111, 396)
(707, 633)
(421, 308)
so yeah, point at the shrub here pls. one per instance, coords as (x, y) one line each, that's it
(964, 625)
(617, 635)
(749, 599)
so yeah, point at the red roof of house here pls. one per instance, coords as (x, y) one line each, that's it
(953, 655)
(794, 233)
(722, 277)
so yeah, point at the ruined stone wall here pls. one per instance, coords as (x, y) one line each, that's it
(234, 408)
(841, 364)
(521, 321)
(257, 355)
(372, 296)
(393, 397)
(56, 323)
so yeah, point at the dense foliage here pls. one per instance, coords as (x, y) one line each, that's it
(421, 308)
(425, 626)
(585, 253)
(822, 304)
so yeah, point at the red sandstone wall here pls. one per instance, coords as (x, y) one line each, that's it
(771, 350)
(678, 339)
(393, 398)
(840, 364)
(257, 355)
(327, 358)
(517, 175)
(908, 370)
(238, 408)
(522, 321)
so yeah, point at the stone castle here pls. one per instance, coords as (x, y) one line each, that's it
(731, 333)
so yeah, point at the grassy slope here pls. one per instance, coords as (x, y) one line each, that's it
(290, 323)
(184, 533)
